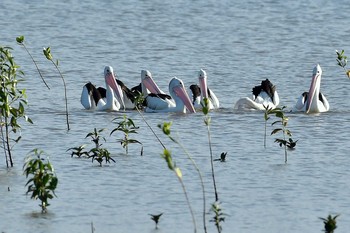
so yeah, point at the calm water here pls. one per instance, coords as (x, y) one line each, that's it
(239, 44)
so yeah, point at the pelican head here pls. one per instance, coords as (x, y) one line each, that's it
(202, 78)
(178, 92)
(312, 100)
(110, 82)
(148, 82)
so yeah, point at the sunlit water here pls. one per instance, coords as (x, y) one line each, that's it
(239, 43)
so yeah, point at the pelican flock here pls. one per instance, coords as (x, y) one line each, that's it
(117, 96)
(264, 96)
(313, 101)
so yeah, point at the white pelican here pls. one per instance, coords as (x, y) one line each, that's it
(313, 101)
(160, 103)
(129, 96)
(93, 98)
(148, 86)
(202, 91)
(264, 95)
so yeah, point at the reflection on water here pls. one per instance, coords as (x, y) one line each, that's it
(239, 44)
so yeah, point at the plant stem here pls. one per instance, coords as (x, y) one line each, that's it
(4, 146)
(143, 118)
(202, 184)
(265, 134)
(8, 143)
(188, 203)
(65, 92)
(212, 165)
(285, 146)
(36, 65)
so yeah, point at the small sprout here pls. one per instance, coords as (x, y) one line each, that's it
(205, 106)
(20, 39)
(330, 223)
(342, 61)
(218, 216)
(155, 218)
(127, 126)
(78, 151)
(165, 127)
(168, 159)
(283, 122)
(100, 154)
(47, 53)
(43, 181)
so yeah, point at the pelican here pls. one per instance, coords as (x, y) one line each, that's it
(129, 96)
(150, 89)
(110, 98)
(202, 91)
(161, 103)
(313, 101)
(264, 95)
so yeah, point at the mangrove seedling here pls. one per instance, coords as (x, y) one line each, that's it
(155, 218)
(283, 121)
(43, 181)
(127, 127)
(48, 55)
(96, 137)
(330, 223)
(342, 61)
(78, 151)
(207, 120)
(12, 103)
(98, 153)
(20, 41)
(218, 216)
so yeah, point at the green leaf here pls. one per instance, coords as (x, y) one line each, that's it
(20, 39)
(276, 131)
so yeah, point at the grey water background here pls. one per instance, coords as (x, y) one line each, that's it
(238, 43)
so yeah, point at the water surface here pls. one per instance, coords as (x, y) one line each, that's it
(239, 44)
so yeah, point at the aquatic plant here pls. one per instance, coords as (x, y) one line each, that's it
(166, 155)
(12, 103)
(78, 151)
(20, 41)
(266, 118)
(342, 61)
(43, 181)
(283, 121)
(218, 216)
(98, 153)
(215, 206)
(207, 120)
(330, 223)
(127, 127)
(155, 218)
(48, 55)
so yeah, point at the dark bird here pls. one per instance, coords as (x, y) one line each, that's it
(155, 218)
(222, 157)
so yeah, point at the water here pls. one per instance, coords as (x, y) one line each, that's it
(239, 44)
